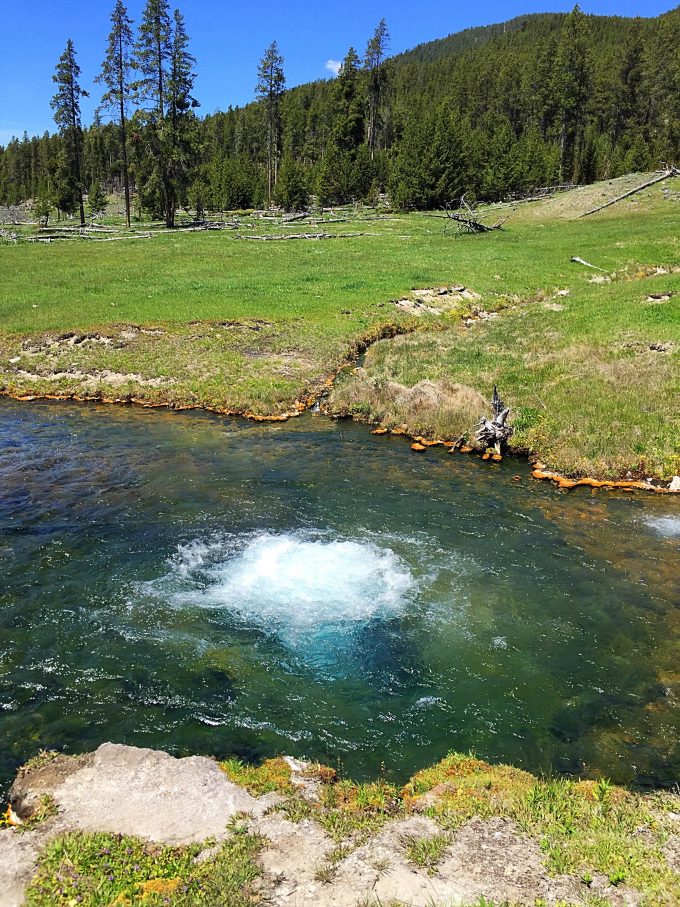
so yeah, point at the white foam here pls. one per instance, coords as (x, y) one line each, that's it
(291, 580)
(310, 589)
(668, 526)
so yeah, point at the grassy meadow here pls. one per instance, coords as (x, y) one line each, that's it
(210, 319)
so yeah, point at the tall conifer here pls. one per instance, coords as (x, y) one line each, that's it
(66, 106)
(374, 63)
(115, 75)
(270, 84)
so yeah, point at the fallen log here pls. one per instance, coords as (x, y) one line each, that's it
(475, 226)
(672, 171)
(298, 215)
(580, 261)
(274, 237)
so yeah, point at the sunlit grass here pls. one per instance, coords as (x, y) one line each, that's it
(261, 327)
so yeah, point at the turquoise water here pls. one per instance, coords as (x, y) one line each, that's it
(216, 586)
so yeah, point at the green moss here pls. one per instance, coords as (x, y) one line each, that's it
(272, 775)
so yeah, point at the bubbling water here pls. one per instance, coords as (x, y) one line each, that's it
(301, 586)
(667, 526)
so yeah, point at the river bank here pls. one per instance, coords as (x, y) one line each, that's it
(293, 832)
(587, 360)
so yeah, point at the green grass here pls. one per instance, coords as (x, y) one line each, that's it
(427, 852)
(272, 775)
(100, 870)
(588, 393)
(583, 827)
(260, 327)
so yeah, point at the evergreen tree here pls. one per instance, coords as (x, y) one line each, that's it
(181, 134)
(495, 112)
(66, 106)
(662, 81)
(270, 85)
(571, 88)
(42, 209)
(334, 177)
(167, 153)
(152, 57)
(348, 131)
(291, 187)
(115, 75)
(153, 52)
(374, 63)
(96, 199)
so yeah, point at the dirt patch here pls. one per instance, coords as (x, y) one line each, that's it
(435, 300)
(256, 324)
(65, 341)
(92, 380)
(73, 340)
(658, 298)
(32, 783)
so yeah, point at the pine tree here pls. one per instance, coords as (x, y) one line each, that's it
(115, 75)
(291, 188)
(96, 199)
(374, 63)
(348, 131)
(42, 209)
(571, 87)
(168, 126)
(270, 85)
(66, 106)
(628, 112)
(662, 79)
(181, 137)
(153, 52)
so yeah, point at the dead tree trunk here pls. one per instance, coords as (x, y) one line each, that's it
(495, 432)
(468, 220)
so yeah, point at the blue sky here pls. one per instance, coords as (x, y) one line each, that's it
(228, 39)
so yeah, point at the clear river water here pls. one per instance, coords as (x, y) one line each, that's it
(209, 585)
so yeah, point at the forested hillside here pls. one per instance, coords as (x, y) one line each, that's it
(494, 111)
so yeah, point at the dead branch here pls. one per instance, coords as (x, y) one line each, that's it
(468, 220)
(495, 432)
